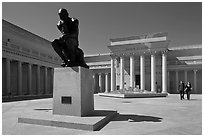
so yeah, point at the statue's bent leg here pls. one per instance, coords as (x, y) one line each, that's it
(72, 44)
(59, 50)
(56, 46)
(80, 58)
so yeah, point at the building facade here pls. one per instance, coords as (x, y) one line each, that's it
(146, 62)
(27, 63)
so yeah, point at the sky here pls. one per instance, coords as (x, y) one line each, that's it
(100, 21)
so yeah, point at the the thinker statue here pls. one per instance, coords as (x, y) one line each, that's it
(67, 46)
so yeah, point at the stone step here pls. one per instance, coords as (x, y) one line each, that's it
(94, 122)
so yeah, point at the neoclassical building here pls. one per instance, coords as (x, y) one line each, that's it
(146, 62)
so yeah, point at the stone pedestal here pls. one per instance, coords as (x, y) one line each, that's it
(73, 91)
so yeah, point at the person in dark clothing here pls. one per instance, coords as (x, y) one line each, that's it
(181, 89)
(188, 89)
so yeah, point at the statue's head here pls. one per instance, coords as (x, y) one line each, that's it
(63, 14)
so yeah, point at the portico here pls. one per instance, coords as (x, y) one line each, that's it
(142, 52)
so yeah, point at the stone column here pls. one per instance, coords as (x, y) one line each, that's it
(30, 79)
(46, 83)
(142, 72)
(185, 76)
(52, 80)
(164, 73)
(113, 75)
(177, 80)
(153, 73)
(107, 81)
(132, 71)
(8, 77)
(195, 80)
(94, 82)
(20, 92)
(38, 80)
(168, 80)
(122, 72)
(100, 82)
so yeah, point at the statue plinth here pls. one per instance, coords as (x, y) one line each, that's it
(73, 91)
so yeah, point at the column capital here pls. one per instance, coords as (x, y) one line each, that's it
(113, 56)
(27, 63)
(19, 61)
(164, 51)
(122, 56)
(132, 54)
(195, 70)
(8, 59)
(142, 55)
(153, 52)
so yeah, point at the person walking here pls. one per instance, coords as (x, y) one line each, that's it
(188, 89)
(181, 89)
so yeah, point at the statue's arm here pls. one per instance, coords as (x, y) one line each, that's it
(59, 25)
(76, 21)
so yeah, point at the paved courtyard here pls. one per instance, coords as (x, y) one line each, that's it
(137, 116)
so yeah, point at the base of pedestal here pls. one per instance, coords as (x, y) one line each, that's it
(94, 122)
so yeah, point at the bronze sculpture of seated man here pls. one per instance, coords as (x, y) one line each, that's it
(67, 46)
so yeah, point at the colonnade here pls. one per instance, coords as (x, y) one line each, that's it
(142, 72)
(43, 83)
(103, 81)
(185, 78)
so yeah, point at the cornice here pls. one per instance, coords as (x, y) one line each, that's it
(183, 67)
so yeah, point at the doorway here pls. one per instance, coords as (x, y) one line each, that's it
(137, 79)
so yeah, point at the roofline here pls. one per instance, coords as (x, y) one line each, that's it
(101, 54)
(194, 46)
(5, 21)
(138, 36)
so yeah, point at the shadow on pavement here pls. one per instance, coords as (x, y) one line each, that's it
(101, 113)
(195, 99)
(136, 118)
(43, 109)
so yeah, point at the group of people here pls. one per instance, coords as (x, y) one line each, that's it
(184, 89)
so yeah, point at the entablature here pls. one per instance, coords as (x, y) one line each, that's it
(140, 49)
(15, 52)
